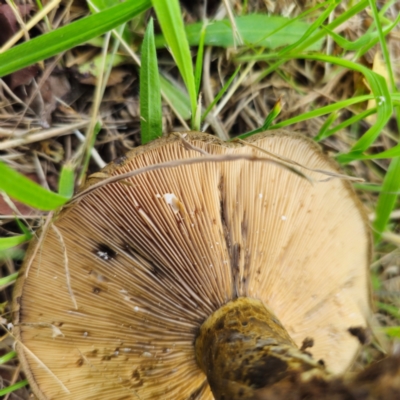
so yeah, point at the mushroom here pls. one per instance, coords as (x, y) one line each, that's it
(193, 268)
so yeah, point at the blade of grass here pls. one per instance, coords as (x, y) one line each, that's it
(392, 331)
(390, 309)
(381, 34)
(199, 60)
(367, 38)
(354, 119)
(220, 93)
(7, 357)
(28, 192)
(322, 134)
(150, 91)
(87, 147)
(21, 226)
(6, 243)
(268, 121)
(368, 187)
(71, 35)
(349, 157)
(311, 31)
(8, 279)
(66, 181)
(391, 184)
(14, 387)
(387, 198)
(175, 98)
(358, 7)
(170, 18)
(322, 111)
(13, 253)
(379, 89)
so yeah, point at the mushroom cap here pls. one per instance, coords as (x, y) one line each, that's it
(109, 304)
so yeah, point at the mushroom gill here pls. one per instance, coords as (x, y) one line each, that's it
(110, 304)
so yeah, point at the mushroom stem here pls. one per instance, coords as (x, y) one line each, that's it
(243, 347)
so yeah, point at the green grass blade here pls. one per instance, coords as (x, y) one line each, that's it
(6, 243)
(367, 39)
(323, 132)
(66, 182)
(368, 187)
(7, 357)
(312, 30)
(199, 60)
(268, 121)
(276, 110)
(220, 94)
(387, 198)
(8, 279)
(352, 120)
(322, 111)
(390, 309)
(349, 157)
(392, 331)
(170, 18)
(150, 91)
(381, 33)
(379, 89)
(71, 35)
(89, 143)
(357, 8)
(28, 192)
(14, 387)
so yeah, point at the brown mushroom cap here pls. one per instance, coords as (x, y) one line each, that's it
(124, 277)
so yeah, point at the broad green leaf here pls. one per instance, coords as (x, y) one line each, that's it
(150, 92)
(69, 36)
(28, 192)
(170, 18)
(255, 29)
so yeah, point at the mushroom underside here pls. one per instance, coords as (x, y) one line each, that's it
(110, 302)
